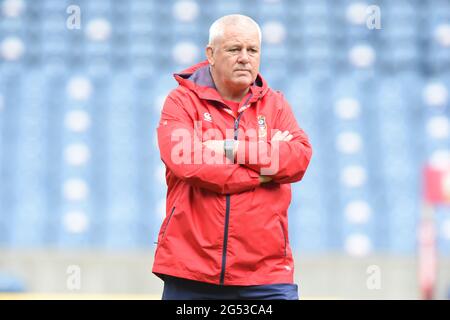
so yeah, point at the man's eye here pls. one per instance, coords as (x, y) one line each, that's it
(234, 50)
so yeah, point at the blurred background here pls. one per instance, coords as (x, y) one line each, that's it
(82, 186)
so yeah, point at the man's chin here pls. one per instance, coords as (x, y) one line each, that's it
(243, 83)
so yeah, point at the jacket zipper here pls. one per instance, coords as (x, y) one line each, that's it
(225, 239)
(227, 207)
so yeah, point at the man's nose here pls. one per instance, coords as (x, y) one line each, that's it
(243, 56)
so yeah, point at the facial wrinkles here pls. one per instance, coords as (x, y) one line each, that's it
(234, 45)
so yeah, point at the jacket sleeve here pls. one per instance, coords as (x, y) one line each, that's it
(182, 152)
(284, 161)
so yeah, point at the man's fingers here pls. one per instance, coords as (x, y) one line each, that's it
(289, 137)
(281, 136)
(276, 135)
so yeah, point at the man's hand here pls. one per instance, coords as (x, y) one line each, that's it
(278, 136)
(264, 179)
(282, 136)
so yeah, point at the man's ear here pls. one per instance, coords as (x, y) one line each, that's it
(210, 55)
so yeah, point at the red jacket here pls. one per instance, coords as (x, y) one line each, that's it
(222, 226)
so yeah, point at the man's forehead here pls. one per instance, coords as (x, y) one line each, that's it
(239, 36)
(240, 41)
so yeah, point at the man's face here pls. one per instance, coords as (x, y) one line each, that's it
(235, 56)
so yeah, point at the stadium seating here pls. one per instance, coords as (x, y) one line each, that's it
(79, 161)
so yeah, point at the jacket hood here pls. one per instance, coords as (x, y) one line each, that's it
(198, 79)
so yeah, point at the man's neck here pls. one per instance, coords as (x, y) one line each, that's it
(233, 96)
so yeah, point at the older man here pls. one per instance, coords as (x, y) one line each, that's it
(231, 147)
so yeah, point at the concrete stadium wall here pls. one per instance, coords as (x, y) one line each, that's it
(332, 276)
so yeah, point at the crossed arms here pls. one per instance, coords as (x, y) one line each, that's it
(288, 151)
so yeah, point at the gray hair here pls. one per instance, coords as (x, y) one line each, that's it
(218, 27)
